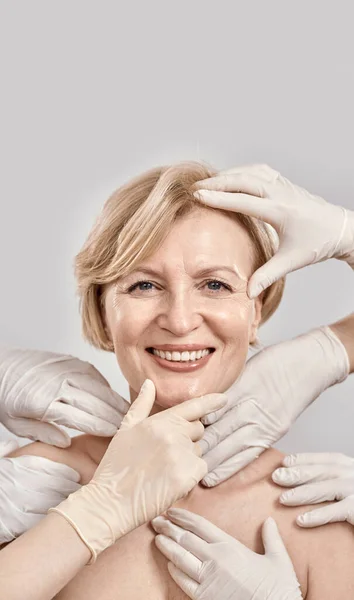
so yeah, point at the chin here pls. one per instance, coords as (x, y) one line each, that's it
(167, 400)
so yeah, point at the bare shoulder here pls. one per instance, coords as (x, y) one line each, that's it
(322, 557)
(326, 551)
(76, 456)
(331, 574)
(133, 568)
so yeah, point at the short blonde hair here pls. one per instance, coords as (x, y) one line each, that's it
(133, 223)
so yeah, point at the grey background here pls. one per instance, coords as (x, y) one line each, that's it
(93, 93)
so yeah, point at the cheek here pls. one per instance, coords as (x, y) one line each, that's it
(235, 319)
(126, 324)
(235, 328)
(237, 341)
(125, 333)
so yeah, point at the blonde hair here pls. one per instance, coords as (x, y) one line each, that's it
(133, 223)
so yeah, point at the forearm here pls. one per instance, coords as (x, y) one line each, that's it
(42, 561)
(344, 330)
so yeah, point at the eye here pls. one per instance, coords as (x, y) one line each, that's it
(215, 285)
(141, 286)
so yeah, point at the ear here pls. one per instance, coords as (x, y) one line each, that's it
(256, 318)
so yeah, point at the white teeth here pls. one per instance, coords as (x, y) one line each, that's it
(181, 356)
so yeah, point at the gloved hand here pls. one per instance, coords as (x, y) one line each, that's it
(150, 463)
(309, 228)
(7, 447)
(275, 387)
(39, 389)
(209, 564)
(318, 477)
(29, 485)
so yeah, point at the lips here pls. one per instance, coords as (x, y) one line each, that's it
(181, 366)
(177, 352)
(181, 348)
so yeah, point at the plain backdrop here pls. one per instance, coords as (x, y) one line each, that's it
(93, 93)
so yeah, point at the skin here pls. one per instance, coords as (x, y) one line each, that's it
(344, 329)
(178, 305)
(133, 567)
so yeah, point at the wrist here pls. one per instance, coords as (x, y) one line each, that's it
(317, 360)
(86, 511)
(69, 537)
(337, 355)
(344, 331)
(347, 242)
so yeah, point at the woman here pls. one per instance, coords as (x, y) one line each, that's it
(286, 390)
(164, 464)
(160, 275)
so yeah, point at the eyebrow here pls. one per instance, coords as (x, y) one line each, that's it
(201, 273)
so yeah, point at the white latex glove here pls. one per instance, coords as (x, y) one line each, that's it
(41, 389)
(29, 486)
(275, 387)
(318, 477)
(209, 564)
(310, 229)
(150, 463)
(7, 447)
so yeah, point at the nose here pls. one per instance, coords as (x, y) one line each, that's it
(180, 313)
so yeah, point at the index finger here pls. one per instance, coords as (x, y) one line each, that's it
(194, 409)
(198, 525)
(38, 464)
(249, 183)
(75, 418)
(254, 205)
(235, 420)
(263, 172)
(201, 530)
(100, 389)
(318, 458)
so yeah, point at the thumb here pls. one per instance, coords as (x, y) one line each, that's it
(278, 266)
(272, 540)
(39, 430)
(275, 551)
(141, 407)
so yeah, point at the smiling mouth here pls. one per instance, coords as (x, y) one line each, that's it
(183, 356)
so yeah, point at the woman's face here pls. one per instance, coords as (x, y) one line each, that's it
(191, 294)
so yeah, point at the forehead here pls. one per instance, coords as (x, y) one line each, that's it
(206, 237)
